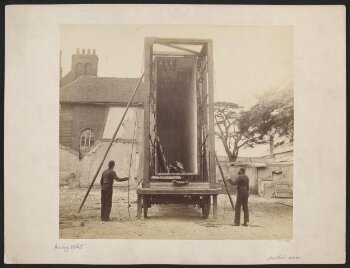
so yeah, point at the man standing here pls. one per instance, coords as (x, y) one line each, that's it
(107, 179)
(242, 183)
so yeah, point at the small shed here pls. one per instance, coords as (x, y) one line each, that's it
(252, 170)
(277, 179)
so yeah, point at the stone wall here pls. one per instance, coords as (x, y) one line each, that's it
(69, 167)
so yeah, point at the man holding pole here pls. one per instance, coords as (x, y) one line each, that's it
(107, 179)
(110, 145)
(242, 183)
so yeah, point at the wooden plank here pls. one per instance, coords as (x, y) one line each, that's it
(215, 206)
(204, 120)
(179, 41)
(180, 191)
(194, 184)
(166, 177)
(180, 188)
(103, 103)
(181, 48)
(153, 117)
(284, 195)
(146, 130)
(172, 54)
(198, 88)
(204, 50)
(282, 203)
(177, 174)
(212, 166)
(177, 189)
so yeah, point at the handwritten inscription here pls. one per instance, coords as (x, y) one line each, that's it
(66, 248)
(284, 258)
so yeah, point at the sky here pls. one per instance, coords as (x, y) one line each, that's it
(248, 60)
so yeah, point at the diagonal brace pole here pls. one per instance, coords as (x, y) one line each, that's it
(110, 144)
(181, 48)
(223, 178)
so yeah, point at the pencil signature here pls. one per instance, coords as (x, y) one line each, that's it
(281, 257)
(66, 248)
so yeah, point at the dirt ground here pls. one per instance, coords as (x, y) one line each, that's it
(270, 219)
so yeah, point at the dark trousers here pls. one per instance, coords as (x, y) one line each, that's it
(242, 200)
(106, 202)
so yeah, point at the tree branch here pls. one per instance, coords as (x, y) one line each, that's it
(247, 141)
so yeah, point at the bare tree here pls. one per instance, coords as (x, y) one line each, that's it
(233, 128)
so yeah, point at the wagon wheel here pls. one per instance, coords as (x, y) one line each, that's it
(206, 206)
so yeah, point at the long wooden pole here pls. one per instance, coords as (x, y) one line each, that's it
(132, 149)
(223, 178)
(110, 144)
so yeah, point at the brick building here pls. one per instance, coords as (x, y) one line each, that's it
(90, 110)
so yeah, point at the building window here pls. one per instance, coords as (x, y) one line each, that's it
(82, 141)
(87, 140)
(87, 68)
(78, 70)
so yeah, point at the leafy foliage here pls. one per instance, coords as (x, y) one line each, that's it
(272, 114)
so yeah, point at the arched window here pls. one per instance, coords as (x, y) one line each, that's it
(87, 68)
(78, 70)
(87, 140)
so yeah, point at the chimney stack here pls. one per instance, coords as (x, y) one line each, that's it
(84, 63)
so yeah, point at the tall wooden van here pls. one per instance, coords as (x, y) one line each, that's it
(179, 145)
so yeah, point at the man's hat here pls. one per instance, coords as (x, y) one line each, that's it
(111, 164)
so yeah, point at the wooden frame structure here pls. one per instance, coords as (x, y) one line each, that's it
(156, 188)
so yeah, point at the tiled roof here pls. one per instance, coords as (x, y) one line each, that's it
(92, 89)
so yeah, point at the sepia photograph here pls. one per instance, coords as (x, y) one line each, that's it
(176, 132)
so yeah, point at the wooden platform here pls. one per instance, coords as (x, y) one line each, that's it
(168, 177)
(165, 188)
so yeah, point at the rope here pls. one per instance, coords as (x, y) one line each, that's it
(132, 149)
(133, 141)
(110, 143)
